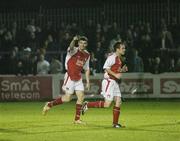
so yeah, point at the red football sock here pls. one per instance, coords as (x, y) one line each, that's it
(55, 102)
(78, 111)
(116, 113)
(96, 104)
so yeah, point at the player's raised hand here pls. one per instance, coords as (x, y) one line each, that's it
(75, 38)
(72, 44)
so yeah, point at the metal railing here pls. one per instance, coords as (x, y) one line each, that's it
(123, 12)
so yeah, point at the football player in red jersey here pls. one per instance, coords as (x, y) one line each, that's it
(77, 59)
(110, 87)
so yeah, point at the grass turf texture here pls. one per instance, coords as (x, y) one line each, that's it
(144, 120)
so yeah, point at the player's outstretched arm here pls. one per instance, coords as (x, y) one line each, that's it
(72, 44)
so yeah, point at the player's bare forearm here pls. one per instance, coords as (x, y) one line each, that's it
(87, 74)
(116, 75)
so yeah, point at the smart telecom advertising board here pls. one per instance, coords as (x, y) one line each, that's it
(25, 88)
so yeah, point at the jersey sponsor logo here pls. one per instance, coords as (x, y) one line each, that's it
(79, 62)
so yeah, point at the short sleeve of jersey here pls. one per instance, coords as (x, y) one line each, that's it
(109, 62)
(86, 65)
(69, 54)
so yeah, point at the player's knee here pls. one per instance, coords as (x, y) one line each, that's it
(107, 105)
(66, 98)
(80, 99)
(118, 103)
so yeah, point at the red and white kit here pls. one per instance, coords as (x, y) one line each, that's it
(75, 62)
(110, 87)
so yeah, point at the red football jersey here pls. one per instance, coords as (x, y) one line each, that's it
(114, 63)
(75, 64)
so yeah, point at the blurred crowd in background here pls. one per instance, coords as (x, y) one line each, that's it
(41, 50)
(34, 40)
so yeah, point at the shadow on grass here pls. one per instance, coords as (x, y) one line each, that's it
(62, 128)
(67, 128)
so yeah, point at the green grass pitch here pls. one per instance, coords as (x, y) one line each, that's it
(144, 120)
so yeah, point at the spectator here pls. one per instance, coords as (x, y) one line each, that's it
(43, 66)
(166, 39)
(149, 65)
(171, 67)
(19, 69)
(177, 67)
(114, 30)
(7, 42)
(27, 62)
(56, 66)
(117, 38)
(13, 62)
(99, 54)
(175, 28)
(157, 67)
(93, 64)
(51, 47)
(138, 63)
(65, 41)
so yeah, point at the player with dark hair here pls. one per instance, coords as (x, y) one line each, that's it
(110, 86)
(77, 59)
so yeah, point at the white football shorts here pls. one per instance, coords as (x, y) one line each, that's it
(70, 86)
(110, 88)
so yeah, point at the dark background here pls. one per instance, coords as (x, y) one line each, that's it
(33, 4)
(49, 3)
